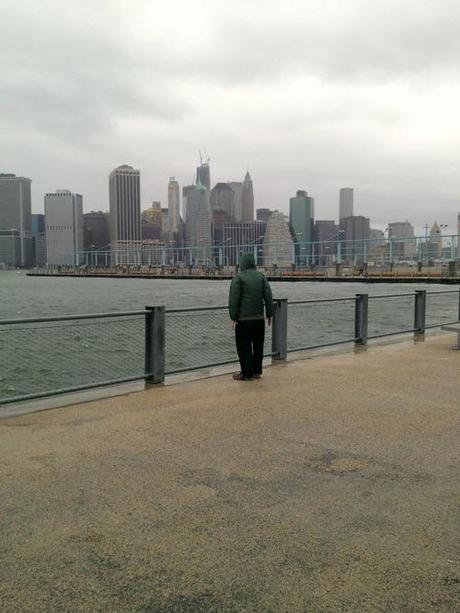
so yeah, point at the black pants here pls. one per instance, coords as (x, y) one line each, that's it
(249, 337)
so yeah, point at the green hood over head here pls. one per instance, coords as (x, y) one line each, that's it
(247, 261)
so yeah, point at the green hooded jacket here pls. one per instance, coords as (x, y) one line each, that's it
(249, 292)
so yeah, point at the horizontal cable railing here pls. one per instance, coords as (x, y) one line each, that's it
(320, 323)
(388, 321)
(51, 355)
(200, 337)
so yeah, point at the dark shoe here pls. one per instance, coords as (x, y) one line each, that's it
(256, 376)
(238, 376)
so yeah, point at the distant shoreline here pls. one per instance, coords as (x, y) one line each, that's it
(273, 278)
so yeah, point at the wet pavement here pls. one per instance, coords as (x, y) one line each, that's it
(332, 484)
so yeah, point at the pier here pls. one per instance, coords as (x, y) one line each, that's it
(343, 275)
(329, 485)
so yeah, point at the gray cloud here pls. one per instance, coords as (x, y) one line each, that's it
(313, 95)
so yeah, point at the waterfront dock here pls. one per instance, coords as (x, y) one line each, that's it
(287, 276)
(329, 485)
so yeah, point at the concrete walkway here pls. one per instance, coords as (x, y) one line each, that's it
(329, 485)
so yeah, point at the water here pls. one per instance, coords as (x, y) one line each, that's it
(59, 355)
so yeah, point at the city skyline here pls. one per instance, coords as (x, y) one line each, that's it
(420, 229)
(310, 97)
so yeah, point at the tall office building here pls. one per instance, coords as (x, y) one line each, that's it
(64, 228)
(173, 205)
(222, 210)
(301, 216)
(435, 242)
(96, 233)
(237, 188)
(39, 239)
(223, 201)
(198, 237)
(278, 246)
(186, 190)
(262, 214)
(203, 174)
(345, 202)
(16, 245)
(247, 200)
(458, 236)
(354, 234)
(401, 234)
(323, 251)
(125, 215)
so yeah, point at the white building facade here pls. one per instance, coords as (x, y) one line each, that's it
(173, 205)
(64, 228)
(278, 246)
(125, 215)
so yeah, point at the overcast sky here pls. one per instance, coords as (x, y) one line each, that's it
(307, 94)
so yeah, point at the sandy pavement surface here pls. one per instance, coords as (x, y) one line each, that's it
(332, 484)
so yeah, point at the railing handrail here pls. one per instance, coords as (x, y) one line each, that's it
(36, 320)
(321, 300)
(32, 320)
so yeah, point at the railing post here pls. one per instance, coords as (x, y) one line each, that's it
(154, 361)
(420, 311)
(361, 311)
(279, 329)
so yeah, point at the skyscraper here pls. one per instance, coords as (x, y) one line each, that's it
(301, 216)
(186, 190)
(324, 236)
(278, 245)
(263, 214)
(458, 236)
(401, 233)
(64, 228)
(355, 231)
(247, 199)
(39, 239)
(203, 174)
(125, 214)
(435, 242)
(198, 236)
(345, 202)
(173, 205)
(223, 201)
(16, 245)
(96, 230)
(222, 209)
(237, 188)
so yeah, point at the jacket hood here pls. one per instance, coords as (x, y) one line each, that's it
(247, 261)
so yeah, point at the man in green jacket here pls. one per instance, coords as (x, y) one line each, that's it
(249, 292)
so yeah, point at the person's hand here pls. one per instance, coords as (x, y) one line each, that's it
(233, 324)
(269, 321)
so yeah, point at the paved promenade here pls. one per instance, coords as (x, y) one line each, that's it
(332, 484)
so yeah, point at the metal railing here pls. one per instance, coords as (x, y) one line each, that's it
(46, 356)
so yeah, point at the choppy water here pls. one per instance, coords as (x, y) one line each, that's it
(59, 355)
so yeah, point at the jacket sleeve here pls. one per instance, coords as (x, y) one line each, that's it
(234, 298)
(268, 299)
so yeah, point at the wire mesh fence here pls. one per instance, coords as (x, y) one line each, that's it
(314, 324)
(199, 338)
(442, 308)
(43, 358)
(390, 315)
(53, 355)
